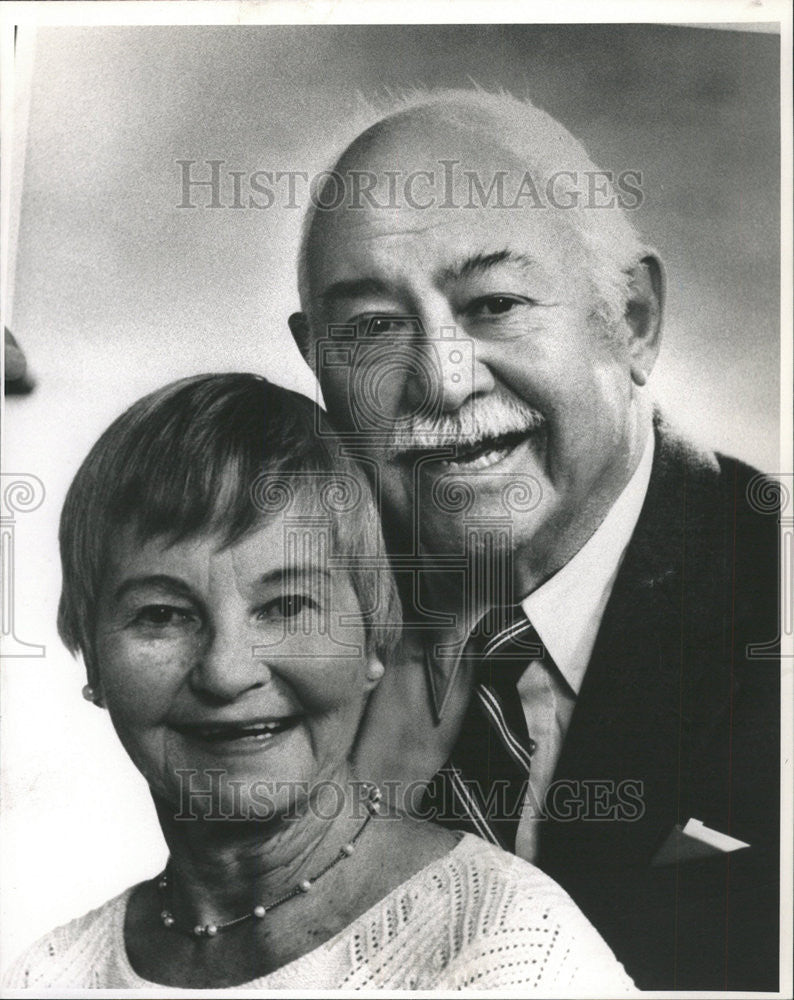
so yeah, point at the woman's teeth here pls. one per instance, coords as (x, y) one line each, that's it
(258, 731)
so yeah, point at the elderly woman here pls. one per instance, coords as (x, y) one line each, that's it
(223, 578)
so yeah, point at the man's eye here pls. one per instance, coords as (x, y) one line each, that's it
(163, 615)
(288, 606)
(377, 326)
(493, 305)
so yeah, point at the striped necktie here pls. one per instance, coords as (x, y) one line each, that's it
(490, 762)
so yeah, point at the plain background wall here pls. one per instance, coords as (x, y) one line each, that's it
(117, 291)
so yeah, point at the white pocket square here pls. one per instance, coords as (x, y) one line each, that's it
(694, 840)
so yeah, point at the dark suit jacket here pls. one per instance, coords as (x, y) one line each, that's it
(676, 721)
(673, 703)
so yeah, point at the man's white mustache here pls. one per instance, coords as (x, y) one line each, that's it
(476, 421)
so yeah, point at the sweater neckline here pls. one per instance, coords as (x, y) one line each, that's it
(466, 842)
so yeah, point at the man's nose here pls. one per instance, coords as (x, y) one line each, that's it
(451, 370)
(226, 668)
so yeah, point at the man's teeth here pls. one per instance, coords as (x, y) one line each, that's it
(481, 460)
(484, 453)
(479, 454)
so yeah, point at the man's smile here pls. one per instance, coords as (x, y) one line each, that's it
(469, 456)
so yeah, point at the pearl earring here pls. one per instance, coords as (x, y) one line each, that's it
(375, 671)
(90, 694)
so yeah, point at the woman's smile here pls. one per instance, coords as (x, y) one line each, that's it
(245, 736)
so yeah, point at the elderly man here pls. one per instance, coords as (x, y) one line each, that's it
(581, 584)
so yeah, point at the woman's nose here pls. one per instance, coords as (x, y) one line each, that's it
(227, 665)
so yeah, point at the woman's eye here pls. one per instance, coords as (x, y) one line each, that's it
(288, 606)
(162, 615)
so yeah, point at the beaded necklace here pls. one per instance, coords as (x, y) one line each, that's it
(260, 911)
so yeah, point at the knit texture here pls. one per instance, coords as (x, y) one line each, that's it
(478, 917)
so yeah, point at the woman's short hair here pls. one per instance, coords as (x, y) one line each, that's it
(218, 455)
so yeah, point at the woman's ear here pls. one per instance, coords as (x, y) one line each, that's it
(374, 673)
(93, 694)
(92, 691)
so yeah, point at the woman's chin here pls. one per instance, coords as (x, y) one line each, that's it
(246, 779)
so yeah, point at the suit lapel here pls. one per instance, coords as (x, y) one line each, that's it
(634, 711)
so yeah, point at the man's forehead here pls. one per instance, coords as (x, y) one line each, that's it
(420, 192)
(418, 144)
(440, 244)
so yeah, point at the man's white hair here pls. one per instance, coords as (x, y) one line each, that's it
(609, 246)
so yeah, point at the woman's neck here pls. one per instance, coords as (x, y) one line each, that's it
(219, 870)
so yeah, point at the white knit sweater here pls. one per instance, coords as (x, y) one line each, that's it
(478, 917)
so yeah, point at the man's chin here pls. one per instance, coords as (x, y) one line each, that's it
(485, 545)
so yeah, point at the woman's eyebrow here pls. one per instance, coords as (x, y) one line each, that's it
(160, 581)
(295, 572)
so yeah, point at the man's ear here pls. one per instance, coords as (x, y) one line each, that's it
(301, 332)
(644, 316)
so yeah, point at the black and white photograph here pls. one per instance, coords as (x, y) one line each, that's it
(397, 508)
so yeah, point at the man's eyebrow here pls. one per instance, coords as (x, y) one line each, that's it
(484, 261)
(156, 580)
(352, 288)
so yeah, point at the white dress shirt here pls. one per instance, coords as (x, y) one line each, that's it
(566, 612)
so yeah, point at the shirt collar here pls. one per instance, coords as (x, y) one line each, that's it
(567, 609)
